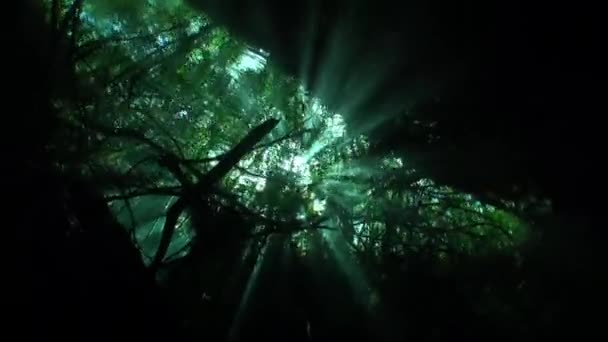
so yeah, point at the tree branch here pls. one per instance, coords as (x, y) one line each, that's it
(232, 157)
(167, 233)
(253, 174)
(90, 47)
(165, 191)
(128, 134)
(283, 138)
(193, 194)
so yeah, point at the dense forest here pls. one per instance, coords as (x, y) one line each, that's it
(231, 170)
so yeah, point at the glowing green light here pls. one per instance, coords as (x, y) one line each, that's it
(248, 61)
(318, 206)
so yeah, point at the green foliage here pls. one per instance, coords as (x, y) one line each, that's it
(158, 79)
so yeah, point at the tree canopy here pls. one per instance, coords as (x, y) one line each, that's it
(225, 170)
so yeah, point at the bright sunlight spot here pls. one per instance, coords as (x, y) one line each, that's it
(299, 166)
(318, 206)
(248, 61)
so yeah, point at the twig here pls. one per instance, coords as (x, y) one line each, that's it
(205, 184)
(283, 138)
(244, 170)
(167, 191)
(138, 163)
(91, 46)
(129, 134)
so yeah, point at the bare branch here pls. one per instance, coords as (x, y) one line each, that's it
(167, 233)
(140, 162)
(164, 191)
(245, 171)
(283, 138)
(268, 232)
(230, 159)
(92, 46)
(202, 160)
(128, 134)
(192, 195)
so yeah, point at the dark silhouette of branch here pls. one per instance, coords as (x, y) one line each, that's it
(245, 171)
(170, 221)
(127, 133)
(276, 226)
(172, 257)
(193, 194)
(283, 138)
(131, 218)
(172, 164)
(162, 129)
(165, 191)
(88, 48)
(291, 230)
(462, 229)
(202, 160)
(140, 162)
(156, 57)
(230, 159)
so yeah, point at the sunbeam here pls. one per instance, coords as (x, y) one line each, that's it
(269, 174)
(252, 281)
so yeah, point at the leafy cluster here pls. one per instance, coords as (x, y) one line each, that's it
(163, 96)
